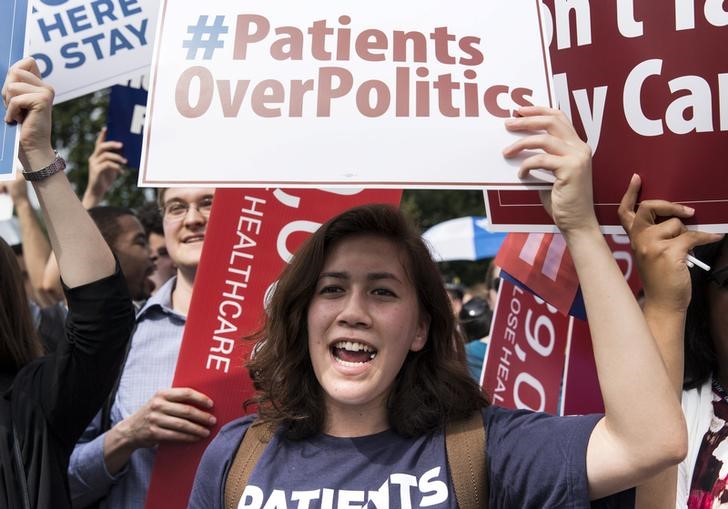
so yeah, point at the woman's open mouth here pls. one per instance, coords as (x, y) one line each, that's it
(352, 353)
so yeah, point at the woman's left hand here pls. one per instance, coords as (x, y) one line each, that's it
(29, 101)
(569, 201)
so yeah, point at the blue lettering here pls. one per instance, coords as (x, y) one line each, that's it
(126, 7)
(54, 2)
(118, 42)
(93, 40)
(46, 28)
(68, 53)
(77, 15)
(103, 9)
(47, 64)
(141, 33)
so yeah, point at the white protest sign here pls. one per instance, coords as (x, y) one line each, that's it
(325, 93)
(82, 46)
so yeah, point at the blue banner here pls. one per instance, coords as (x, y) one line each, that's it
(13, 14)
(125, 120)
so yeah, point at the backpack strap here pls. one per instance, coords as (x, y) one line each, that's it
(464, 441)
(251, 448)
(465, 445)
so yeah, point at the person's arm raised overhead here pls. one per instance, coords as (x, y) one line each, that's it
(661, 249)
(66, 388)
(643, 430)
(105, 165)
(82, 254)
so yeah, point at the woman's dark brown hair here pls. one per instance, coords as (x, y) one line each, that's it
(19, 342)
(432, 387)
(701, 359)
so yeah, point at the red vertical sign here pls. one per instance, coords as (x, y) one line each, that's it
(251, 235)
(545, 266)
(526, 352)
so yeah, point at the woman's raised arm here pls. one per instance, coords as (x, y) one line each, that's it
(82, 253)
(643, 430)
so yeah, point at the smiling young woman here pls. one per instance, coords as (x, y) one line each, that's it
(354, 282)
(358, 372)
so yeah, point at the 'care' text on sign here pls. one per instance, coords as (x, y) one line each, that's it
(332, 94)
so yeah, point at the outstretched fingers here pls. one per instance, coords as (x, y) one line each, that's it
(692, 239)
(549, 145)
(539, 118)
(552, 135)
(626, 210)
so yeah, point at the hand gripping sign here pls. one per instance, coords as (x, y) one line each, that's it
(327, 93)
(251, 235)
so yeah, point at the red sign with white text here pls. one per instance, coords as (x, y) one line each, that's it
(646, 85)
(542, 262)
(526, 353)
(250, 237)
(550, 273)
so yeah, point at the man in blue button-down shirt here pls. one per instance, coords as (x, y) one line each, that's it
(115, 466)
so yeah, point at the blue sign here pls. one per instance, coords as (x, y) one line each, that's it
(125, 121)
(13, 15)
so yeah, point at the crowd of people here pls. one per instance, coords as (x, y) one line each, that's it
(367, 365)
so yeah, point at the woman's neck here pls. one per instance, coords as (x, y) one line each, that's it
(355, 421)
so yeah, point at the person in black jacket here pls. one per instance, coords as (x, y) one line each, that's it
(47, 401)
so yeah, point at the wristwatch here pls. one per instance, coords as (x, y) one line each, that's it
(57, 165)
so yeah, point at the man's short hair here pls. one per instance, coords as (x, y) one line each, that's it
(106, 218)
(160, 197)
(151, 218)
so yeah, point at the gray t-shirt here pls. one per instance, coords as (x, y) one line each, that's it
(534, 461)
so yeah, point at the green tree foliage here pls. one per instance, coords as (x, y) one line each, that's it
(76, 124)
(430, 207)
